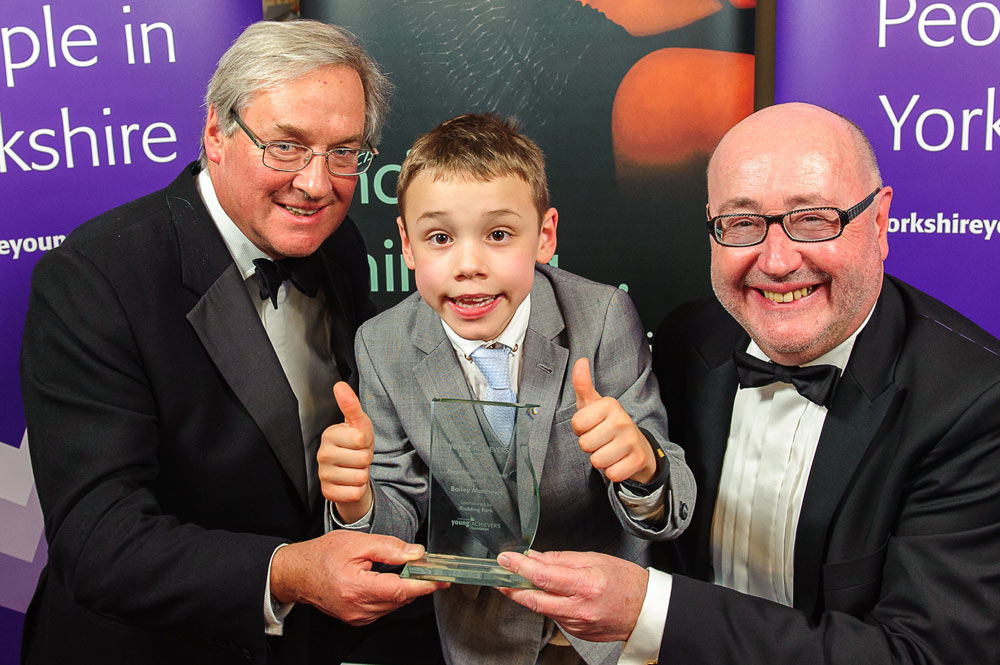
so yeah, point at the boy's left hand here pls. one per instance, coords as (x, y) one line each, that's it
(607, 433)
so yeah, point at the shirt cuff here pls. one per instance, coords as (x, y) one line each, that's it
(333, 521)
(650, 509)
(643, 645)
(274, 612)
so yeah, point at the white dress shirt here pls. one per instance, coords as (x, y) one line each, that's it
(512, 336)
(772, 440)
(299, 330)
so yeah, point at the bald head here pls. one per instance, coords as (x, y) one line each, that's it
(798, 126)
(798, 300)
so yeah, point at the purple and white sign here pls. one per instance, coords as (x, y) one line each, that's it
(99, 103)
(920, 77)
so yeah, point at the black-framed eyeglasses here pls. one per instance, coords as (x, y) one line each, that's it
(805, 225)
(288, 156)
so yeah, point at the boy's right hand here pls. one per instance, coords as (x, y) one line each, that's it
(607, 432)
(345, 453)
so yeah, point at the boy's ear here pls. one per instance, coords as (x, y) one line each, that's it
(404, 244)
(547, 236)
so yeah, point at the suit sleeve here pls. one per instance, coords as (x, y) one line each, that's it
(95, 436)
(399, 476)
(622, 367)
(931, 595)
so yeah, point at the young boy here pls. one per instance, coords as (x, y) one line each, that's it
(477, 230)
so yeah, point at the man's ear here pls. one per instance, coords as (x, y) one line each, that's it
(547, 236)
(882, 220)
(404, 243)
(213, 137)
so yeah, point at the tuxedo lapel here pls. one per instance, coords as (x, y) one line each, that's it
(862, 403)
(230, 330)
(339, 311)
(712, 394)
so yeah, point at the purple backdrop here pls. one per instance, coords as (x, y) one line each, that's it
(919, 76)
(122, 83)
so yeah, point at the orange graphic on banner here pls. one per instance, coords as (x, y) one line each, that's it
(642, 18)
(675, 104)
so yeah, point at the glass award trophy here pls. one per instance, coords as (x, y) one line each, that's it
(483, 492)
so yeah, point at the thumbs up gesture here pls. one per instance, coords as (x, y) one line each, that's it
(607, 433)
(345, 453)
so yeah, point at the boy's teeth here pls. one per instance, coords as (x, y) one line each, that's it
(474, 302)
(788, 296)
(299, 211)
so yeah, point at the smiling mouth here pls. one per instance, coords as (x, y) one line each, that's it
(473, 307)
(302, 212)
(473, 302)
(788, 296)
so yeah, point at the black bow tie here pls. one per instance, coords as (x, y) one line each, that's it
(815, 382)
(305, 273)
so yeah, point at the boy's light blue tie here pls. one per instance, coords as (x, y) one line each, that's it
(495, 365)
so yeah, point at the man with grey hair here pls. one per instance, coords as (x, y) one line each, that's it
(177, 365)
(843, 428)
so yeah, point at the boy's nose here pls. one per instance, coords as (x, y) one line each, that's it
(469, 262)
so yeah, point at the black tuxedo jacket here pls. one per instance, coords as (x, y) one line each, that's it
(898, 544)
(165, 442)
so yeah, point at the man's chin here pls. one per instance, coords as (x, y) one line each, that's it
(300, 246)
(785, 340)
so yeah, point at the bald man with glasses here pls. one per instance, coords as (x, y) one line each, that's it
(843, 428)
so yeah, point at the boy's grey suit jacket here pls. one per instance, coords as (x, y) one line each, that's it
(405, 360)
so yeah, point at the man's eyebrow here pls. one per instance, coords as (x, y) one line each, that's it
(738, 204)
(288, 130)
(799, 201)
(298, 132)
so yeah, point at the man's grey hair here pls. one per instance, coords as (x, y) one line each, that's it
(271, 53)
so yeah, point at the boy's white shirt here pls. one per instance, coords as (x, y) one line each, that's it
(512, 336)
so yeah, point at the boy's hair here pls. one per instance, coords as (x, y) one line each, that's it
(478, 146)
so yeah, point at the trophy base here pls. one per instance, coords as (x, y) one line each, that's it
(463, 570)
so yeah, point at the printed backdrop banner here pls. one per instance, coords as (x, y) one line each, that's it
(100, 102)
(920, 77)
(626, 98)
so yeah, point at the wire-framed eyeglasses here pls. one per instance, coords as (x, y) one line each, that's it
(288, 156)
(805, 225)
